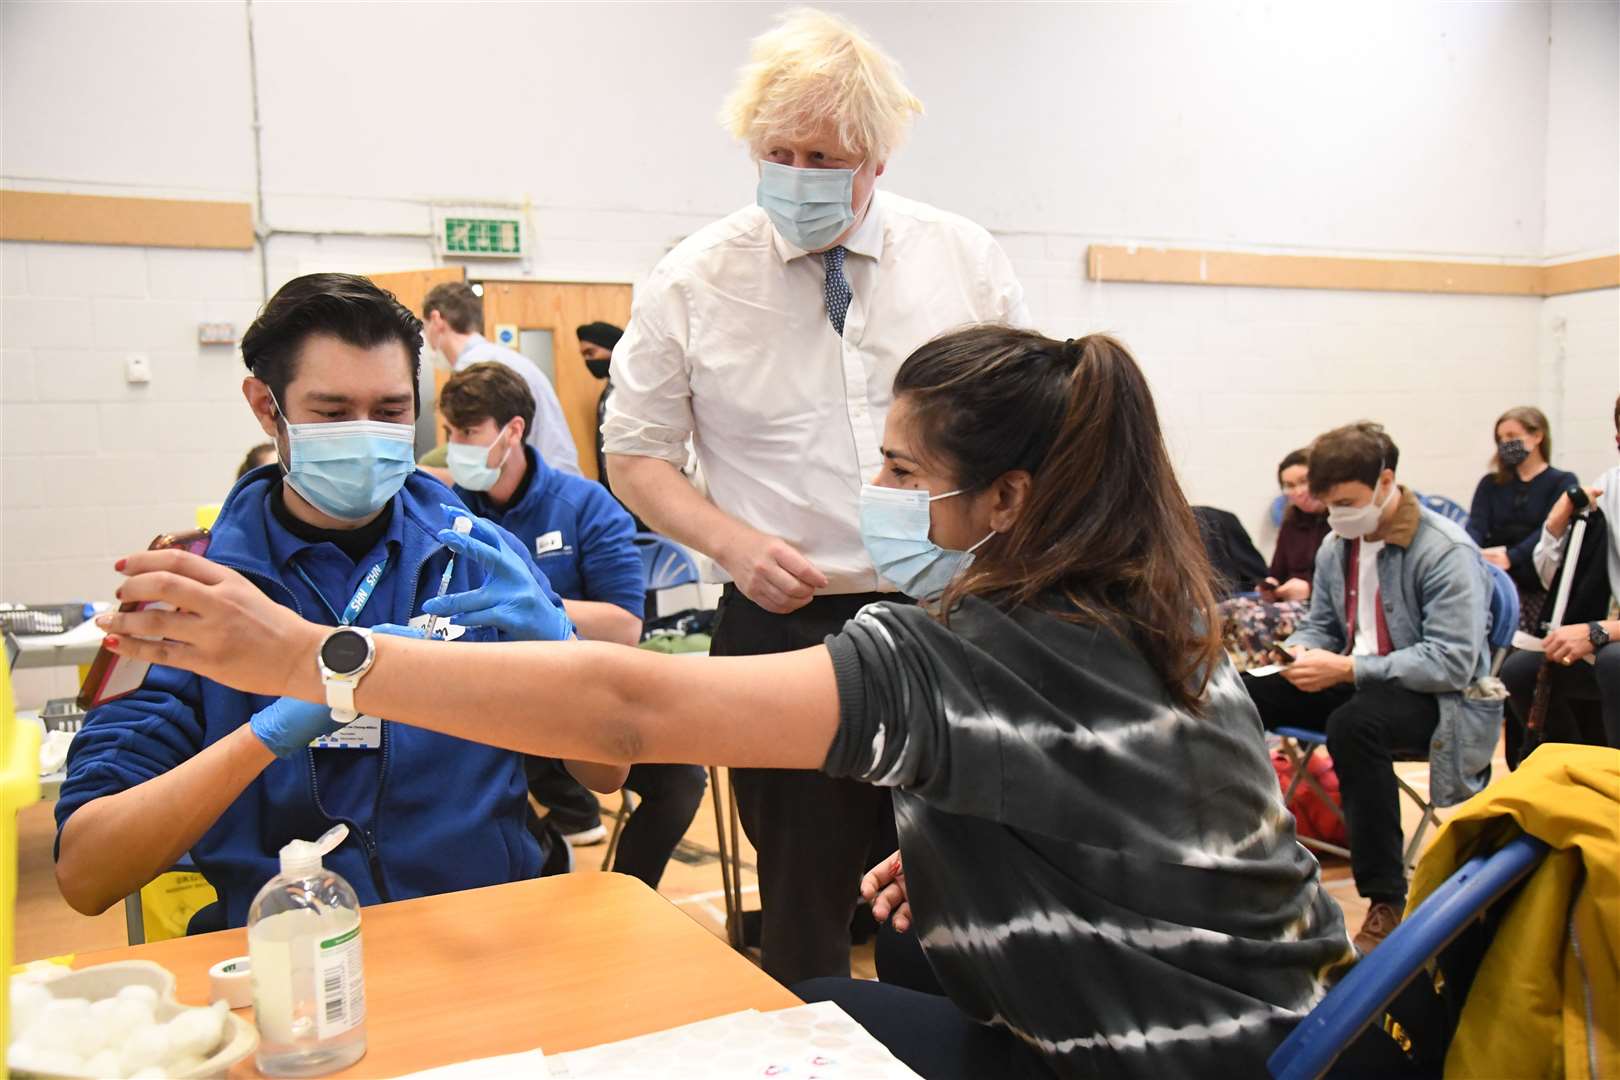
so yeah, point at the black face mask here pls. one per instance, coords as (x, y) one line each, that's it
(598, 368)
(1511, 451)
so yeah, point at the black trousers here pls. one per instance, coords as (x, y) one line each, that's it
(1576, 685)
(812, 835)
(670, 797)
(1365, 727)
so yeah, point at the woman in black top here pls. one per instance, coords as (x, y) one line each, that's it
(1513, 500)
(1094, 855)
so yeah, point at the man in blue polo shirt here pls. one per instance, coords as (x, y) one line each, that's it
(584, 541)
(344, 530)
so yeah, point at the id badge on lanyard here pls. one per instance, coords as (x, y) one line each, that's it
(364, 732)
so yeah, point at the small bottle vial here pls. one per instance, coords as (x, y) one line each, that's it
(309, 994)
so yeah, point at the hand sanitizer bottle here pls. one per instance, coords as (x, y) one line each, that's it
(309, 996)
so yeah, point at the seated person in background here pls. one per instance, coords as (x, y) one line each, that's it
(1250, 624)
(263, 454)
(1514, 498)
(584, 541)
(1394, 635)
(1237, 564)
(344, 531)
(596, 342)
(451, 317)
(1568, 647)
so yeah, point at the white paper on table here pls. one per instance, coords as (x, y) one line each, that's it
(529, 1063)
(810, 1042)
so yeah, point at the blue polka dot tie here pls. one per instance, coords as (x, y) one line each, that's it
(836, 291)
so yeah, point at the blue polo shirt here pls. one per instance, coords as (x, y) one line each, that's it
(577, 532)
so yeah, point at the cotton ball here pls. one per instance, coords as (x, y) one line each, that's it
(31, 1057)
(28, 1001)
(104, 1065)
(145, 1047)
(138, 992)
(119, 1017)
(61, 1025)
(195, 1031)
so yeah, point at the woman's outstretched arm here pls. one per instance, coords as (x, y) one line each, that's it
(592, 702)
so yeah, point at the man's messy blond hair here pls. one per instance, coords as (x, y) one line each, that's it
(814, 68)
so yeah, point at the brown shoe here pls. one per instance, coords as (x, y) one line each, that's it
(1381, 919)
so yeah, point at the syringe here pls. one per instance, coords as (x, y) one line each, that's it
(440, 624)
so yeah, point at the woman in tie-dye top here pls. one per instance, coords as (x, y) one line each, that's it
(1097, 862)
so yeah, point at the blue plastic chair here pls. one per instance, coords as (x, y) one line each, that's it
(1503, 616)
(1363, 994)
(1445, 508)
(666, 562)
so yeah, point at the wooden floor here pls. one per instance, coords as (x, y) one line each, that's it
(46, 926)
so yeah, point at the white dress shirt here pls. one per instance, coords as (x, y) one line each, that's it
(729, 345)
(549, 434)
(1550, 548)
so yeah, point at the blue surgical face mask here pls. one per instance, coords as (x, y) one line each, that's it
(811, 208)
(350, 468)
(894, 526)
(470, 468)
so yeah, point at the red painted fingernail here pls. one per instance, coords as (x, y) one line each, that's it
(119, 565)
(111, 641)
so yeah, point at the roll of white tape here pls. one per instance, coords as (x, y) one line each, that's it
(231, 981)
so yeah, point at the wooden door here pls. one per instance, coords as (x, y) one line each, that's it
(410, 287)
(562, 309)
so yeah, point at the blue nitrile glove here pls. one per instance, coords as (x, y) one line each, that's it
(287, 725)
(510, 600)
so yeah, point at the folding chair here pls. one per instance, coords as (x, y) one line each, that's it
(1363, 994)
(1502, 619)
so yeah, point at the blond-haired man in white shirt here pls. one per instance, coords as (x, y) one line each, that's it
(770, 339)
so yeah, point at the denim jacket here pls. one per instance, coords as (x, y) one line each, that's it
(1435, 593)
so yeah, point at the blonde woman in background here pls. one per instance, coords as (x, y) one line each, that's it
(1514, 498)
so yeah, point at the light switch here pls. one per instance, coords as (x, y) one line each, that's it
(137, 368)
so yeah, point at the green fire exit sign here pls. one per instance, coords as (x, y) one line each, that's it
(483, 236)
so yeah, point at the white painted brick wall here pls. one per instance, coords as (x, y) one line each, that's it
(90, 466)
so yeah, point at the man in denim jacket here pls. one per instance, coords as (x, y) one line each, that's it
(1395, 636)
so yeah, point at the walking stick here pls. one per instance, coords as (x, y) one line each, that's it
(1535, 723)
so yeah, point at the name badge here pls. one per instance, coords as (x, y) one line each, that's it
(364, 733)
(546, 543)
(450, 630)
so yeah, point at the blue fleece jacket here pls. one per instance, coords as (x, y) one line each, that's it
(427, 813)
(578, 533)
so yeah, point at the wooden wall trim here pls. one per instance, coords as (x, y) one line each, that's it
(109, 219)
(1173, 266)
(1602, 272)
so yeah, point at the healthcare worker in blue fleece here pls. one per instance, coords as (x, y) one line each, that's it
(584, 541)
(345, 531)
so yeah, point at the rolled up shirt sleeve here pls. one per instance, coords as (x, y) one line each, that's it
(1006, 294)
(649, 413)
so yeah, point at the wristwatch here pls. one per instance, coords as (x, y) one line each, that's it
(345, 656)
(1598, 636)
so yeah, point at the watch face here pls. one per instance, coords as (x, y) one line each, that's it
(344, 652)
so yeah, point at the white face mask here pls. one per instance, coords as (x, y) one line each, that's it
(469, 464)
(1355, 522)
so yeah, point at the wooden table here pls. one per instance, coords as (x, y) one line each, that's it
(560, 963)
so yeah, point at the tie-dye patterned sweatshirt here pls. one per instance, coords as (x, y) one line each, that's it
(1112, 879)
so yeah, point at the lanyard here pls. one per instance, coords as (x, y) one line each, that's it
(357, 603)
